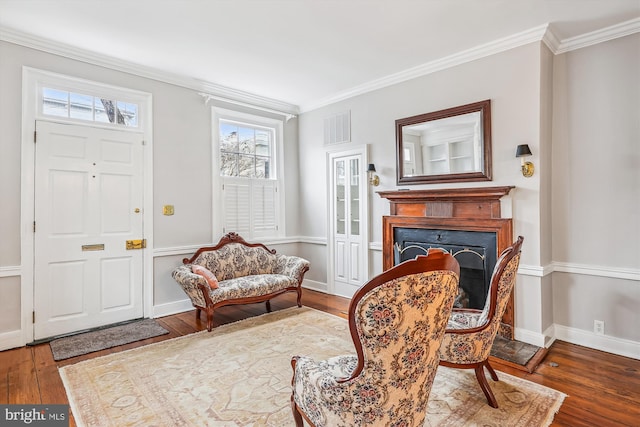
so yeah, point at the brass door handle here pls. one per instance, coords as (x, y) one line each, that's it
(136, 244)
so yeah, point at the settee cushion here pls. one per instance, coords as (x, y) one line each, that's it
(251, 286)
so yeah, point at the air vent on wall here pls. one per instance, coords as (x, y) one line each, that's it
(337, 128)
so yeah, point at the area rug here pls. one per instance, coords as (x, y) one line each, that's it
(88, 342)
(240, 375)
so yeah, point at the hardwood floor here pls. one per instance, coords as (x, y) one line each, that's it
(603, 389)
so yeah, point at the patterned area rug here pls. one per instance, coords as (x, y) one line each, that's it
(240, 375)
(88, 342)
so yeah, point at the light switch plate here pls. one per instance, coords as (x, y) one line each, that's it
(167, 210)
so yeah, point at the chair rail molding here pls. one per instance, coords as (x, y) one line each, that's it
(11, 271)
(597, 270)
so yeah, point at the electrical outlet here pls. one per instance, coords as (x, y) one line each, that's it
(598, 327)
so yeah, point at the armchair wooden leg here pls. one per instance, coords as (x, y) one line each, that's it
(487, 365)
(299, 300)
(198, 313)
(297, 417)
(484, 385)
(268, 306)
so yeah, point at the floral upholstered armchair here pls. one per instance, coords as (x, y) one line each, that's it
(237, 272)
(470, 333)
(397, 321)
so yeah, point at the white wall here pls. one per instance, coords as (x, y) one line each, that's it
(182, 175)
(510, 79)
(596, 193)
(580, 213)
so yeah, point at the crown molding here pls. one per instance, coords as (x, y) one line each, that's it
(599, 36)
(551, 40)
(61, 49)
(542, 33)
(506, 43)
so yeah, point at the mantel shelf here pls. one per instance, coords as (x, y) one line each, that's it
(448, 194)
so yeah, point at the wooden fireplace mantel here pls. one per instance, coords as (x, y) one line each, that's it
(476, 202)
(466, 209)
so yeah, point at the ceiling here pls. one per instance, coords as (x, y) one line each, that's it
(299, 52)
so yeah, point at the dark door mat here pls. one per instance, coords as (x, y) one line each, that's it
(88, 342)
(517, 353)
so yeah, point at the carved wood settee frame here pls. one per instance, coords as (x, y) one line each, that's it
(284, 273)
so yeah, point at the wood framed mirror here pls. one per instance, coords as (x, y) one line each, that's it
(452, 145)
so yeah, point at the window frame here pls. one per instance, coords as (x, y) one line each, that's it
(254, 155)
(277, 173)
(97, 90)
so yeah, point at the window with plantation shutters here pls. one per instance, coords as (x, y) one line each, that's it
(237, 212)
(247, 148)
(250, 207)
(264, 207)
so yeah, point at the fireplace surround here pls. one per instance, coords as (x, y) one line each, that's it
(464, 221)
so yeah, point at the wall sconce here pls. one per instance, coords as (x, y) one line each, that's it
(527, 167)
(373, 178)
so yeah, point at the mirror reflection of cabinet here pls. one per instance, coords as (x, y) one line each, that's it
(456, 150)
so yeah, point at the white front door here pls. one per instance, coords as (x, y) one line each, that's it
(88, 204)
(349, 225)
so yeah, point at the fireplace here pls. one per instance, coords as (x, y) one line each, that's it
(475, 251)
(465, 222)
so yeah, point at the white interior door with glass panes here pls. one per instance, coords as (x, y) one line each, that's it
(88, 200)
(348, 217)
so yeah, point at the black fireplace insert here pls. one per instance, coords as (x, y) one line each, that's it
(476, 252)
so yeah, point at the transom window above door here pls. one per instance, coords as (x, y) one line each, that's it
(84, 107)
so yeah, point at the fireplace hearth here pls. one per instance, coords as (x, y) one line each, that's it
(465, 222)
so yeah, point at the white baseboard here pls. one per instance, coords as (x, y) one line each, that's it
(530, 337)
(175, 307)
(606, 343)
(10, 340)
(550, 335)
(316, 286)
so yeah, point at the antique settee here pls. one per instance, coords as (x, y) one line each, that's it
(237, 272)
